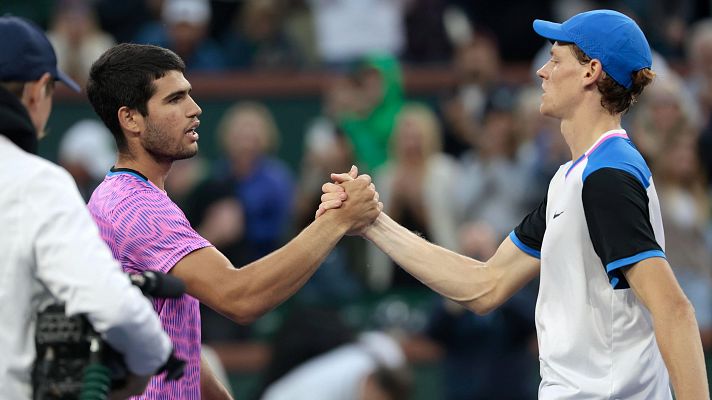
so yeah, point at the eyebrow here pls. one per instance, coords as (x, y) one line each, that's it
(177, 93)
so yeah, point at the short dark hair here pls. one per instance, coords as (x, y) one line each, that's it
(123, 76)
(615, 98)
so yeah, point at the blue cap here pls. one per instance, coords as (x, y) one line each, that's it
(609, 36)
(26, 53)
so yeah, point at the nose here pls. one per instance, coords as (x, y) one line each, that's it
(541, 72)
(195, 109)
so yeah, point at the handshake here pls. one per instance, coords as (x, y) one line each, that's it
(353, 198)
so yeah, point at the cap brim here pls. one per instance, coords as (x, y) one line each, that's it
(68, 81)
(551, 30)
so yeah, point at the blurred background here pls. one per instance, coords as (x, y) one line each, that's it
(437, 100)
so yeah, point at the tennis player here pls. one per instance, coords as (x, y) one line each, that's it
(140, 93)
(611, 319)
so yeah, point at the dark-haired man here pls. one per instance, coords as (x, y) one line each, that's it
(140, 93)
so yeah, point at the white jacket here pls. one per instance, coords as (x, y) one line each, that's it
(50, 248)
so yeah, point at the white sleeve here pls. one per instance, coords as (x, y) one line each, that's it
(77, 267)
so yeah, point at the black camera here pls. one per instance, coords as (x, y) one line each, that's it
(74, 362)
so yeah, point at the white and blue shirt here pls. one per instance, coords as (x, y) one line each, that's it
(601, 215)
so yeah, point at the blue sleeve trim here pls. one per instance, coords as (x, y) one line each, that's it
(633, 259)
(523, 247)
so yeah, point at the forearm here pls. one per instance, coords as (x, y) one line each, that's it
(452, 275)
(678, 337)
(210, 387)
(274, 278)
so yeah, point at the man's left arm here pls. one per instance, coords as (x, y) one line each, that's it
(210, 387)
(618, 215)
(675, 325)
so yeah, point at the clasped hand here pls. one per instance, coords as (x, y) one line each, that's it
(356, 195)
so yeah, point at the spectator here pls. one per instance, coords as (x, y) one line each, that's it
(87, 151)
(184, 29)
(416, 187)
(258, 39)
(327, 149)
(496, 185)
(476, 66)
(377, 100)
(262, 183)
(685, 207)
(77, 37)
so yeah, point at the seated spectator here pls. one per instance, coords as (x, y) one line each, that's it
(663, 112)
(87, 151)
(184, 29)
(77, 38)
(376, 99)
(257, 39)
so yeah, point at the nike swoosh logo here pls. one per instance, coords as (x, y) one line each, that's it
(556, 215)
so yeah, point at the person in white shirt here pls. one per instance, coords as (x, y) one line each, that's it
(612, 321)
(51, 249)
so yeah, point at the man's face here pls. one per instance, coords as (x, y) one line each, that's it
(561, 82)
(172, 120)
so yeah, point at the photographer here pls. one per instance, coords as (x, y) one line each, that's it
(51, 250)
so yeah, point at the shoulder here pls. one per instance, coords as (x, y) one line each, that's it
(618, 154)
(31, 172)
(122, 193)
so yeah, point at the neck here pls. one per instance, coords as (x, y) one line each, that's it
(583, 129)
(155, 171)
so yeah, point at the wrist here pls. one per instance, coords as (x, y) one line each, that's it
(371, 230)
(334, 219)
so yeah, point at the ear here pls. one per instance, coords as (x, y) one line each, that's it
(34, 92)
(593, 72)
(131, 121)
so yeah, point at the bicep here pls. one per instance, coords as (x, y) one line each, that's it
(206, 273)
(654, 284)
(514, 268)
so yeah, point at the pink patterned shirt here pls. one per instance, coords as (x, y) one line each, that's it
(146, 230)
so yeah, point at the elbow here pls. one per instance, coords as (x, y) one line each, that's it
(240, 308)
(676, 311)
(684, 310)
(480, 306)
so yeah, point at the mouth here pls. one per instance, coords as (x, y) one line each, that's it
(192, 132)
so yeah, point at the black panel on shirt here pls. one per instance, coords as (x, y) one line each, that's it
(531, 230)
(616, 207)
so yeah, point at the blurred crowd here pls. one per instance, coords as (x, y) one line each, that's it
(461, 170)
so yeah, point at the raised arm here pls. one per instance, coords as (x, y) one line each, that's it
(479, 286)
(246, 293)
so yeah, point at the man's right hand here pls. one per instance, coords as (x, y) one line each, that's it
(362, 207)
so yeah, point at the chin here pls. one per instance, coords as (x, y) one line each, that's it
(187, 153)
